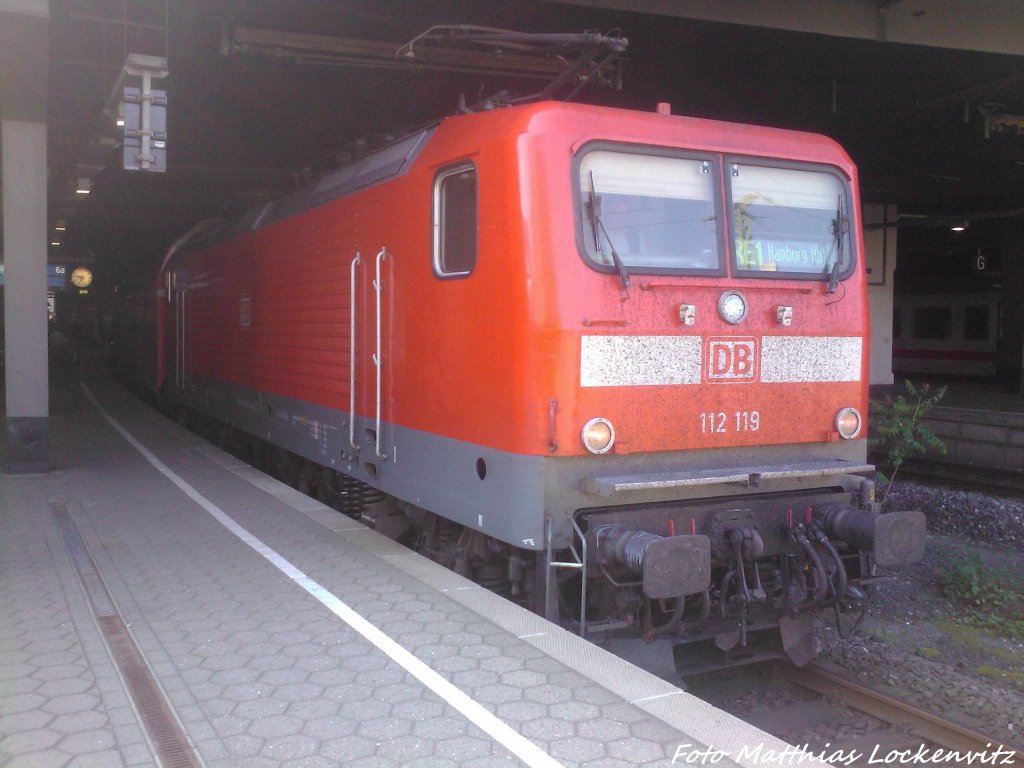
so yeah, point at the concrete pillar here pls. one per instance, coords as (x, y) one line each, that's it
(25, 323)
(880, 262)
(24, 62)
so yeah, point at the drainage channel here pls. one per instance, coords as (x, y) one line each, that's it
(170, 745)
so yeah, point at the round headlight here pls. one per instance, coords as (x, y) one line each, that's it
(848, 423)
(732, 306)
(598, 435)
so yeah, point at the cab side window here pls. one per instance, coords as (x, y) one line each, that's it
(454, 221)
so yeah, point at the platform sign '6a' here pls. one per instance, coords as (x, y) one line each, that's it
(731, 359)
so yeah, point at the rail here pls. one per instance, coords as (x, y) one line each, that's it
(923, 724)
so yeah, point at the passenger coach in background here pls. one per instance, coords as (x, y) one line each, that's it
(611, 364)
(946, 334)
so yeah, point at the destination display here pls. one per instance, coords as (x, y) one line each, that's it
(786, 256)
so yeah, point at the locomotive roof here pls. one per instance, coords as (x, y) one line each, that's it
(394, 159)
(383, 163)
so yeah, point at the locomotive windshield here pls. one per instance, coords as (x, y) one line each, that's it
(789, 220)
(648, 213)
(653, 213)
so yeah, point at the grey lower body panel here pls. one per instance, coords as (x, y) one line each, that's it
(513, 497)
(437, 473)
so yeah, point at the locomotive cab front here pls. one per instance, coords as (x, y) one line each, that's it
(706, 351)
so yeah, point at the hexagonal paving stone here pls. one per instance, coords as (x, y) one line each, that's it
(498, 694)
(20, 686)
(524, 679)
(436, 651)
(429, 761)
(577, 750)
(602, 729)
(365, 663)
(327, 728)
(96, 759)
(636, 750)
(294, 747)
(79, 721)
(317, 663)
(268, 663)
(61, 705)
(501, 664)
(348, 692)
(377, 678)
(395, 693)
(233, 676)
(83, 742)
(362, 711)
(303, 650)
(547, 729)
(548, 694)
(245, 692)
(475, 678)
(65, 687)
(27, 742)
(60, 672)
(442, 727)
(463, 748)
(521, 711)
(453, 664)
(296, 692)
(574, 711)
(260, 708)
(243, 745)
(404, 749)
(275, 727)
(384, 728)
(26, 721)
(347, 749)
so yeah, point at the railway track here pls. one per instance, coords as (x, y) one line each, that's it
(909, 727)
(845, 723)
(964, 477)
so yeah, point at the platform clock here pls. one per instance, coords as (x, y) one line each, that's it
(81, 277)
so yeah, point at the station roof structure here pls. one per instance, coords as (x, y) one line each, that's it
(926, 95)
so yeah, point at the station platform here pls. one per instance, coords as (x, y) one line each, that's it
(162, 603)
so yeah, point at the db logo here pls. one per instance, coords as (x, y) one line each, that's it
(731, 359)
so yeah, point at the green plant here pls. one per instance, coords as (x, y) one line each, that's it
(989, 594)
(969, 581)
(898, 427)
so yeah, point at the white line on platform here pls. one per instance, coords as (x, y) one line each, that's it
(475, 712)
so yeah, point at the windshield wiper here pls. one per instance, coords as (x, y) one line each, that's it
(595, 213)
(840, 226)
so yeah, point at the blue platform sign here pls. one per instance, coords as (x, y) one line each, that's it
(56, 275)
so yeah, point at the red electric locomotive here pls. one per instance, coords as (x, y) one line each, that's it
(611, 363)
